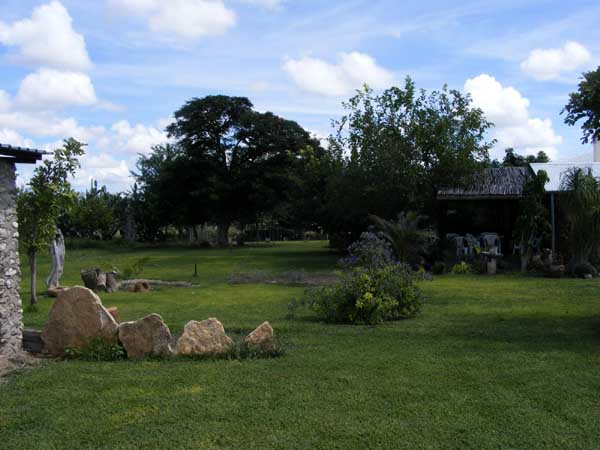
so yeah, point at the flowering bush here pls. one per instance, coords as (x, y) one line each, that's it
(368, 296)
(370, 251)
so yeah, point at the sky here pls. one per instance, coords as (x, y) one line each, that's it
(112, 72)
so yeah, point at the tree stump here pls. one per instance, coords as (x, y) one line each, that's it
(99, 281)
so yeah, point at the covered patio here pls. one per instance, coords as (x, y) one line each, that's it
(484, 213)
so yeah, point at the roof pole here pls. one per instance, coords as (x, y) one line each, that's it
(553, 218)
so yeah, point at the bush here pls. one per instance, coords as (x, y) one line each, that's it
(462, 268)
(367, 296)
(370, 251)
(135, 269)
(582, 270)
(98, 349)
(439, 268)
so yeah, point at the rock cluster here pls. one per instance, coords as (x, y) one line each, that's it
(78, 316)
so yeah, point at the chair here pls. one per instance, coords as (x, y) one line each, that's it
(491, 240)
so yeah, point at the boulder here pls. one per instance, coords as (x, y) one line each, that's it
(76, 318)
(149, 336)
(261, 338)
(204, 338)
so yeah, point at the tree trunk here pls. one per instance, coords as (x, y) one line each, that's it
(525, 253)
(32, 254)
(57, 250)
(223, 233)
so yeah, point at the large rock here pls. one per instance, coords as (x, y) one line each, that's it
(149, 336)
(204, 338)
(261, 338)
(76, 318)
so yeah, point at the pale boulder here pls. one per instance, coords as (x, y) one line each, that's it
(149, 336)
(76, 318)
(262, 338)
(204, 338)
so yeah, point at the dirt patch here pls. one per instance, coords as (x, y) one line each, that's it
(22, 362)
(294, 278)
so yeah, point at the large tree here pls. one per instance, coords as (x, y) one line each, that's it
(242, 160)
(585, 105)
(169, 191)
(49, 193)
(398, 149)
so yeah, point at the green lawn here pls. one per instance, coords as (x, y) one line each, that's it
(492, 362)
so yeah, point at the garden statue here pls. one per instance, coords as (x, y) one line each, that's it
(57, 251)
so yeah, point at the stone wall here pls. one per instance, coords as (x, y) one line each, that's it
(11, 313)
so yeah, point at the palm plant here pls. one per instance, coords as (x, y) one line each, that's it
(582, 208)
(532, 226)
(409, 239)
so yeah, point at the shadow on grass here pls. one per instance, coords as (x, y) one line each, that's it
(541, 331)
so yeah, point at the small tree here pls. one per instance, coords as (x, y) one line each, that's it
(532, 225)
(40, 206)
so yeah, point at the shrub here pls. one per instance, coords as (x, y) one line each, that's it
(439, 268)
(584, 269)
(98, 349)
(367, 296)
(135, 269)
(370, 251)
(462, 268)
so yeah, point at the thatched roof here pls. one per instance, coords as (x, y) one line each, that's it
(502, 182)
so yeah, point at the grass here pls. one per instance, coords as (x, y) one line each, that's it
(492, 362)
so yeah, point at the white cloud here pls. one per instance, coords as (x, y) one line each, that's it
(549, 64)
(182, 19)
(105, 169)
(509, 110)
(351, 72)
(5, 101)
(505, 106)
(53, 89)
(45, 124)
(133, 139)
(11, 137)
(47, 39)
(110, 153)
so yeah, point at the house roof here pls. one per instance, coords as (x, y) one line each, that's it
(556, 172)
(497, 182)
(20, 154)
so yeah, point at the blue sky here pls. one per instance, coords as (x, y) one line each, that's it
(111, 72)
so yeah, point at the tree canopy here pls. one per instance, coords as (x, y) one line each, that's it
(229, 163)
(585, 105)
(512, 159)
(396, 150)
